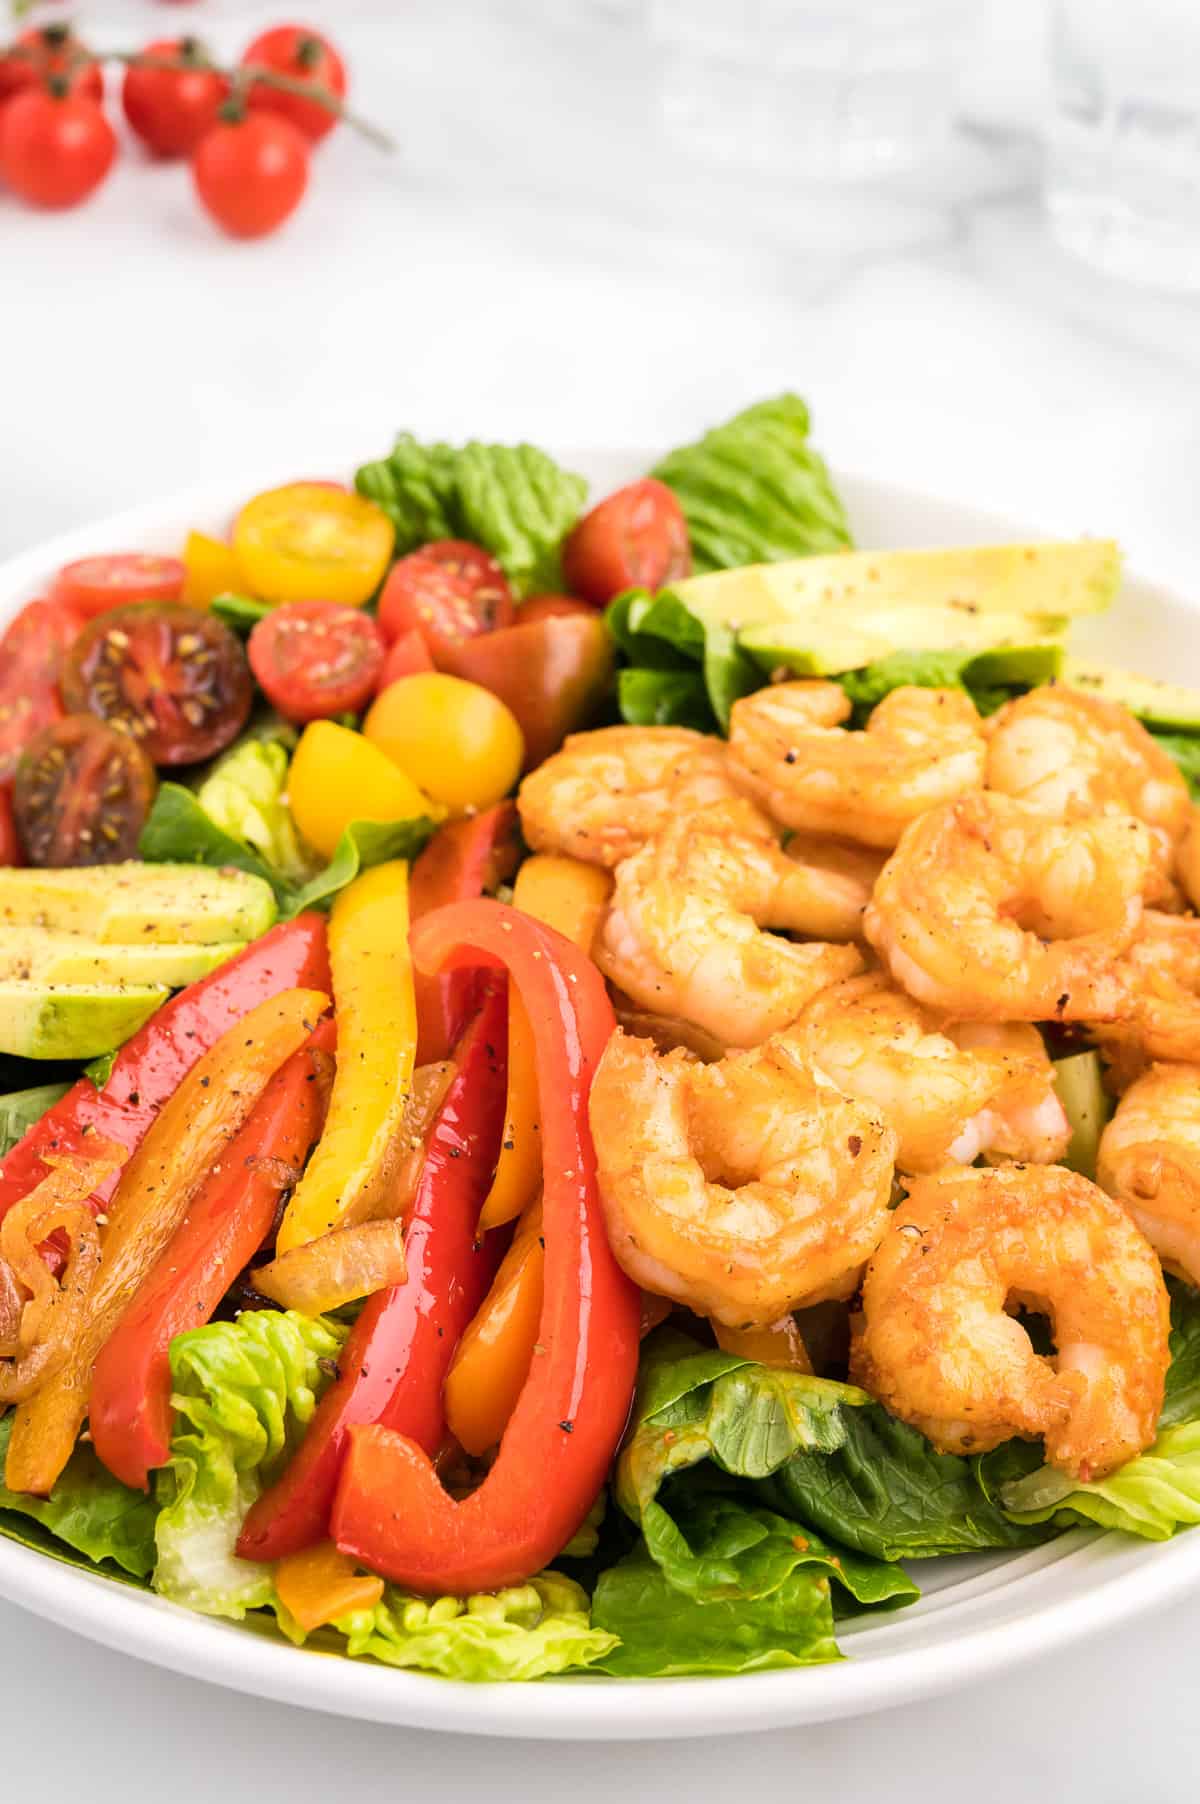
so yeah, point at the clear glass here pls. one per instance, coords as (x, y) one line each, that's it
(1123, 152)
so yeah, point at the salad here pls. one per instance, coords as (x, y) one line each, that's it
(588, 1081)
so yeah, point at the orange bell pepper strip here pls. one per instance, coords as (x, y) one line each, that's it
(570, 896)
(492, 1360)
(773, 1344)
(185, 1145)
(319, 1585)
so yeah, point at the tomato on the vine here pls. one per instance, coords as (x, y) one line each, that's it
(172, 109)
(92, 585)
(315, 660)
(303, 55)
(55, 147)
(175, 680)
(448, 591)
(637, 538)
(31, 658)
(251, 173)
(82, 794)
(46, 50)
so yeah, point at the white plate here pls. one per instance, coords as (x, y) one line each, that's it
(977, 1614)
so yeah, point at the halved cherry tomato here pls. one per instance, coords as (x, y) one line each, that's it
(449, 591)
(56, 147)
(211, 570)
(92, 585)
(312, 541)
(305, 55)
(551, 607)
(82, 794)
(406, 656)
(337, 776)
(552, 673)
(10, 845)
(637, 538)
(455, 739)
(316, 659)
(45, 50)
(171, 109)
(174, 679)
(31, 658)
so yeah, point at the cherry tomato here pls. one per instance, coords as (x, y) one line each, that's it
(637, 538)
(312, 541)
(406, 656)
(336, 776)
(10, 845)
(93, 585)
(304, 55)
(31, 659)
(82, 794)
(210, 570)
(552, 674)
(174, 679)
(55, 149)
(171, 109)
(449, 591)
(316, 659)
(46, 50)
(551, 607)
(251, 173)
(455, 740)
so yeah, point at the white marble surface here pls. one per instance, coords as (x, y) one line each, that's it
(511, 273)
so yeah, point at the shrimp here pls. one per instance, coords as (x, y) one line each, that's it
(991, 911)
(744, 1188)
(1068, 753)
(1188, 858)
(1149, 1159)
(607, 792)
(684, 932)
(1159, 1014)
(789, 749)
(950, 1092)
(939, 1349)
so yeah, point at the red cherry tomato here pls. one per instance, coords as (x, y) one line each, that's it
(10, 844)
(251, 173)
(171, 109)
(316, 659)
(82, 794)
(46, 50)
(552, 674)
(55, 149)
(303, 55)
(174, 679)
(406, 656)
(551, 607)
(637, 538)
(449, 591)
(31, 658)
(92, 585)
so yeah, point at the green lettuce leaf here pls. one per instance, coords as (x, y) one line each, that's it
(243, 1393)
(653, 650)
(512, 499)
(1184, 748)
(21, 1108)
(665, 698)
(241, 612)
(245, 797)
(88, 1513)
(754, 491)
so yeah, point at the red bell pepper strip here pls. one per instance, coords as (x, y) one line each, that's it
(151, 1065)
(391, 1512)
(462, 860)
(129, 1411)
(392, 1368)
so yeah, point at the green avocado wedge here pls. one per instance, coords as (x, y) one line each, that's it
(1159, 704)
(821, 645)
(40, 955)
(1079, 1082)
(140, 904)
(72, 1020)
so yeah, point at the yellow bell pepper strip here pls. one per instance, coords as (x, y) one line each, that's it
(339, 1267)
(319, 1585)
(492, 1360)
(210, 570)
(184, 1146)
(772, 1344)
(571, 896)
(351, 1171)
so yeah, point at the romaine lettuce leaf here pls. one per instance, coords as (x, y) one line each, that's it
(512, 499)
(245, 796)
(241, 612)
(243, 1393)
(89, 1511)
(1184, 748)
(664, 698)
(754, 491)
(21, 1108)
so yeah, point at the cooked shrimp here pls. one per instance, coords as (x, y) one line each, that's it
(684, 932)
(950, 1092)
(605, 793)
(1149, 1159)
(939, 1349)
(1068, 753)
(743, 1188)
(990, 911)
(1188, 858)
(1159, 974)
(789, 749)
(843, 873)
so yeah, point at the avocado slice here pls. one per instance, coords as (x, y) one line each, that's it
(820, 645)
(1159, 704)
(140, 904)
(72, 1020)
(44, 956)
(1073, 577)
(1080, 1086)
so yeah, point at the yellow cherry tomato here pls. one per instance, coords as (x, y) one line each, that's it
(312, 542)
(458, 741)
(337, 776)
(211, 569)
